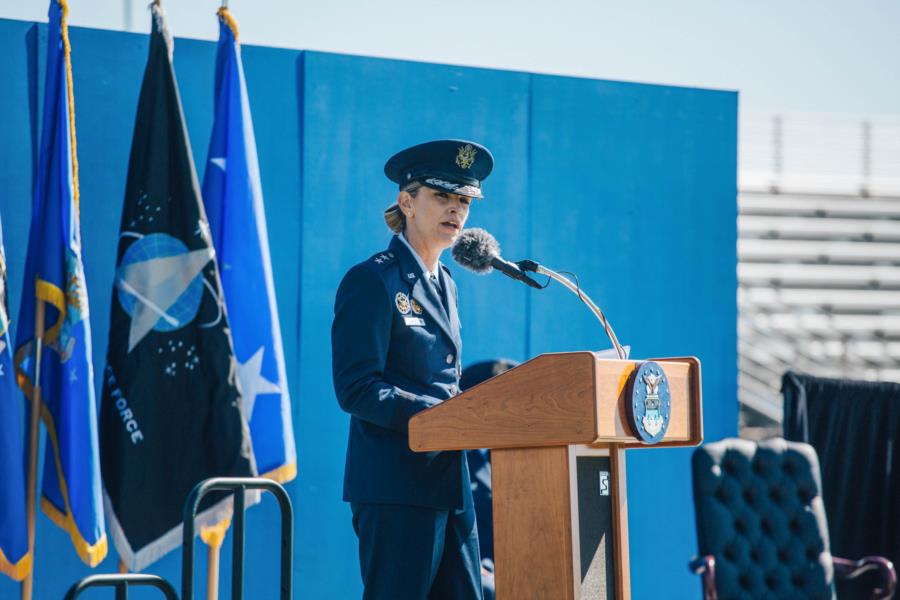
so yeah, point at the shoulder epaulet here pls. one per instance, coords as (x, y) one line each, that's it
(382, 259)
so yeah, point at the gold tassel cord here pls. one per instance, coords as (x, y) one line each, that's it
(225, 15)
(70, 95)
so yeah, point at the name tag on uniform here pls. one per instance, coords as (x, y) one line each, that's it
(414, 321)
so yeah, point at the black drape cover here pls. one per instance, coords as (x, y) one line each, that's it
(855, 428)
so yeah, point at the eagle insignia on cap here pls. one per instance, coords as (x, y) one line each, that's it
(402, 302)
(466, 156)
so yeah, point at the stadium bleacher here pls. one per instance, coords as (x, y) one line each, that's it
(818, 255)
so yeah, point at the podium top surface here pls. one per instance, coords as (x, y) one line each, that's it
(558, 399)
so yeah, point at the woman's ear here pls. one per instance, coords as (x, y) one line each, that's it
(404, 201)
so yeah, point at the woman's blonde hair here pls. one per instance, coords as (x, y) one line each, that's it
(393, 216)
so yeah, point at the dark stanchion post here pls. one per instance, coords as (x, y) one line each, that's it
(287, 542)
(121, 582)
(187, 546)
(237, 560)
(238, 485)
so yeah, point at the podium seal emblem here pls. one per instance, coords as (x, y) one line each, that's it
(651, 402)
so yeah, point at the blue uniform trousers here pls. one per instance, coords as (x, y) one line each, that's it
(415, 553)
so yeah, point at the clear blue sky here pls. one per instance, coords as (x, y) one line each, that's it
(824, 56)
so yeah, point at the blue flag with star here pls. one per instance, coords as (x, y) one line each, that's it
(233, 198)
(54, 284)
(15, 560)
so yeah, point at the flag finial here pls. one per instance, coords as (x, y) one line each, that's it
(225, 16)
(159, 22)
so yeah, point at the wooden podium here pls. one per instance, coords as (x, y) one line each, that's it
(558, 427)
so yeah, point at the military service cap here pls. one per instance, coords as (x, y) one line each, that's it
(455, 166)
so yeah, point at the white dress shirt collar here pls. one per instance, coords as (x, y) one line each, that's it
(419, 260)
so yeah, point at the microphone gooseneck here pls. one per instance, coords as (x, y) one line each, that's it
(530, 265)
(478, 251)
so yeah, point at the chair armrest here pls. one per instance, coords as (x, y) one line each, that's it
(705, 566)
(849, 569)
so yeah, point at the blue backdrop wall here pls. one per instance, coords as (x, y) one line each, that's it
(630, 186)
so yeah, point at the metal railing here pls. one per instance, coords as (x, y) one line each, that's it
(237, 485)
(820, 153)
(121, 582)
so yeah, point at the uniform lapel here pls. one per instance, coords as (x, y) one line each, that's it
(422, 291)
(450, 292)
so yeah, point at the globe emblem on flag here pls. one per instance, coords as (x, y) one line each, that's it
(160, 284)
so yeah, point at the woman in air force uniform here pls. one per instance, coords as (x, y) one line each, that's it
(395, 352)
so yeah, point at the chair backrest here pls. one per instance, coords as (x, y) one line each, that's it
(760, 513)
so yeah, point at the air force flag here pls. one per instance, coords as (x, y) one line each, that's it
(54, 287)
(15, 560)
(234, 204)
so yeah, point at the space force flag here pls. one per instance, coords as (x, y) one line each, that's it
(54, 286)
(15, 560)
(234, 204)
(171, 410)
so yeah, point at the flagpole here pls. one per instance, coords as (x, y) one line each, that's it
(31, 491)
(214, 541)
(212, 569)
(214, 536)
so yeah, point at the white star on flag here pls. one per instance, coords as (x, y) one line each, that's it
(253, 383)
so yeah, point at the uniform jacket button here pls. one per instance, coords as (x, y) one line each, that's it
(449, 359)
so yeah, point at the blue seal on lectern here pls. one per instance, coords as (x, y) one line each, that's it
(651, 402)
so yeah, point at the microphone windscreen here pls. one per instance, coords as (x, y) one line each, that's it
(474, 249)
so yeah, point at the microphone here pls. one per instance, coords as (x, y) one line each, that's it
(478, 251)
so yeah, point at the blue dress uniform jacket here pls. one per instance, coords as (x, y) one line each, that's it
(395, 352)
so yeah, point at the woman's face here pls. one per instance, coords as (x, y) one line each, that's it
(435, 218)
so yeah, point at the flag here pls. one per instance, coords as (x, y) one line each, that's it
(15, 560)
(171, 410)
(233, 198)
(54, 282)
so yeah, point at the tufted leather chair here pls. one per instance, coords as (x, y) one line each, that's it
(761, 527)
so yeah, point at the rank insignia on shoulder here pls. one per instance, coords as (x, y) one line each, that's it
(383, 258)
(416, 307)
(402, 302)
